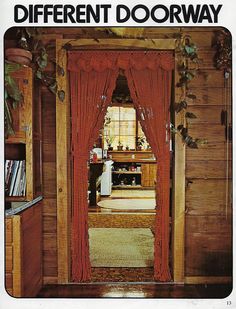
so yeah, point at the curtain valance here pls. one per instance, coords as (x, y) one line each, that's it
(103, 60)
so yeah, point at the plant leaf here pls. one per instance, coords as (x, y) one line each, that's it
(190, 115)
(53, 88)
(180, 127)
(60, 70)
(39, 74)
(180, 106)
(191, 96)
(61, 95)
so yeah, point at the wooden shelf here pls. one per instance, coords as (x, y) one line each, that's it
(15, 140)
(126, 172)
(127, 187)
(15, 198)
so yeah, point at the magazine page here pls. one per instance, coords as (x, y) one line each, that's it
(117, 151)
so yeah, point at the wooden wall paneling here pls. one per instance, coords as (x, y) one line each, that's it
(8, 256)
(208, 254)
(49, 186)
(213, 152)
(213, 133)
(211, 78)
(208, 169)
(17, 262)
(31, 233)
(206, 114)
(207, 197)
(37, 139)
(207, 96)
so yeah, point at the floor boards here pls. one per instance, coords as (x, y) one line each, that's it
(129, 290)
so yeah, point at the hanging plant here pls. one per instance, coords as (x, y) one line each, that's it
(223, 45)
(186, 138)
(187, 69)
(28, 39)
(12, 95)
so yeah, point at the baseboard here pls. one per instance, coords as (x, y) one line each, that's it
(50, 280)
(207, 280)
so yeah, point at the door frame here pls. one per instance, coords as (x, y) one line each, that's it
(63, 170)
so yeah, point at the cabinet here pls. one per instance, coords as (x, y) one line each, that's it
(149, 171)
(25, 144)
(23, 258)
(126, 175)
(144, 172)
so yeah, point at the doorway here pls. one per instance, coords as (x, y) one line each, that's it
(122, 218)
(63, 273)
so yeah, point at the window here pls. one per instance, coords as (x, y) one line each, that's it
(122, 128)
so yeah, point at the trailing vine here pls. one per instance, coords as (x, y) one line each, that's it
(188, 66)
(12, 95)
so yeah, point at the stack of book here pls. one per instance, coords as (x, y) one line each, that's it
(15, 178)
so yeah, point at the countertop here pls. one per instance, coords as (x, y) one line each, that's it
(22, 207)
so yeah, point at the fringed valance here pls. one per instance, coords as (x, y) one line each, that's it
(102, 60)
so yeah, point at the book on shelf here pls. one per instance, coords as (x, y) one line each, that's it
(15, 178)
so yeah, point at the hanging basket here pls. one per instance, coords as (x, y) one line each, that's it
(19, 55)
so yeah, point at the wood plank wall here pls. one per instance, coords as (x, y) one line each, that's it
(208, 201)
(49, 187)
(208, 220)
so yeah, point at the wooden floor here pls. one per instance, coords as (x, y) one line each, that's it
(129, 290)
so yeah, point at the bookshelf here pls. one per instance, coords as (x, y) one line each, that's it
(25, 145)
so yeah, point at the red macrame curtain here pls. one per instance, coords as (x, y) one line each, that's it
(91, 93)
(92, 80)
(150, 89)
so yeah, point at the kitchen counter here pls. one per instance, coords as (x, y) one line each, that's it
(22, 207)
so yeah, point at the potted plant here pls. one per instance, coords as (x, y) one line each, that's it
(12, 96)
(120, 146)
(21, 54)
(140, 142)
(32, 52)
(109, 141)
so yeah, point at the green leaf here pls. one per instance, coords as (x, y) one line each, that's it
(190, 115)
(8, 120)
(180, 127)
(39, 74)
(192, 145)
(12, 89)
(190, 49)
(61, 95)
(60, 70)
(11, 67)
(180, 106)
(191, 96)
(53, 88)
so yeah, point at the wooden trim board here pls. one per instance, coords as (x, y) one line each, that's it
(208, 280)
(62, 167)
(63, 160)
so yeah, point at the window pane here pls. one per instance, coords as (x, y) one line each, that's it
(145, 144)
(113, 113)
(127, 128)
(127, 113)
(120, 125)
(128, 141)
